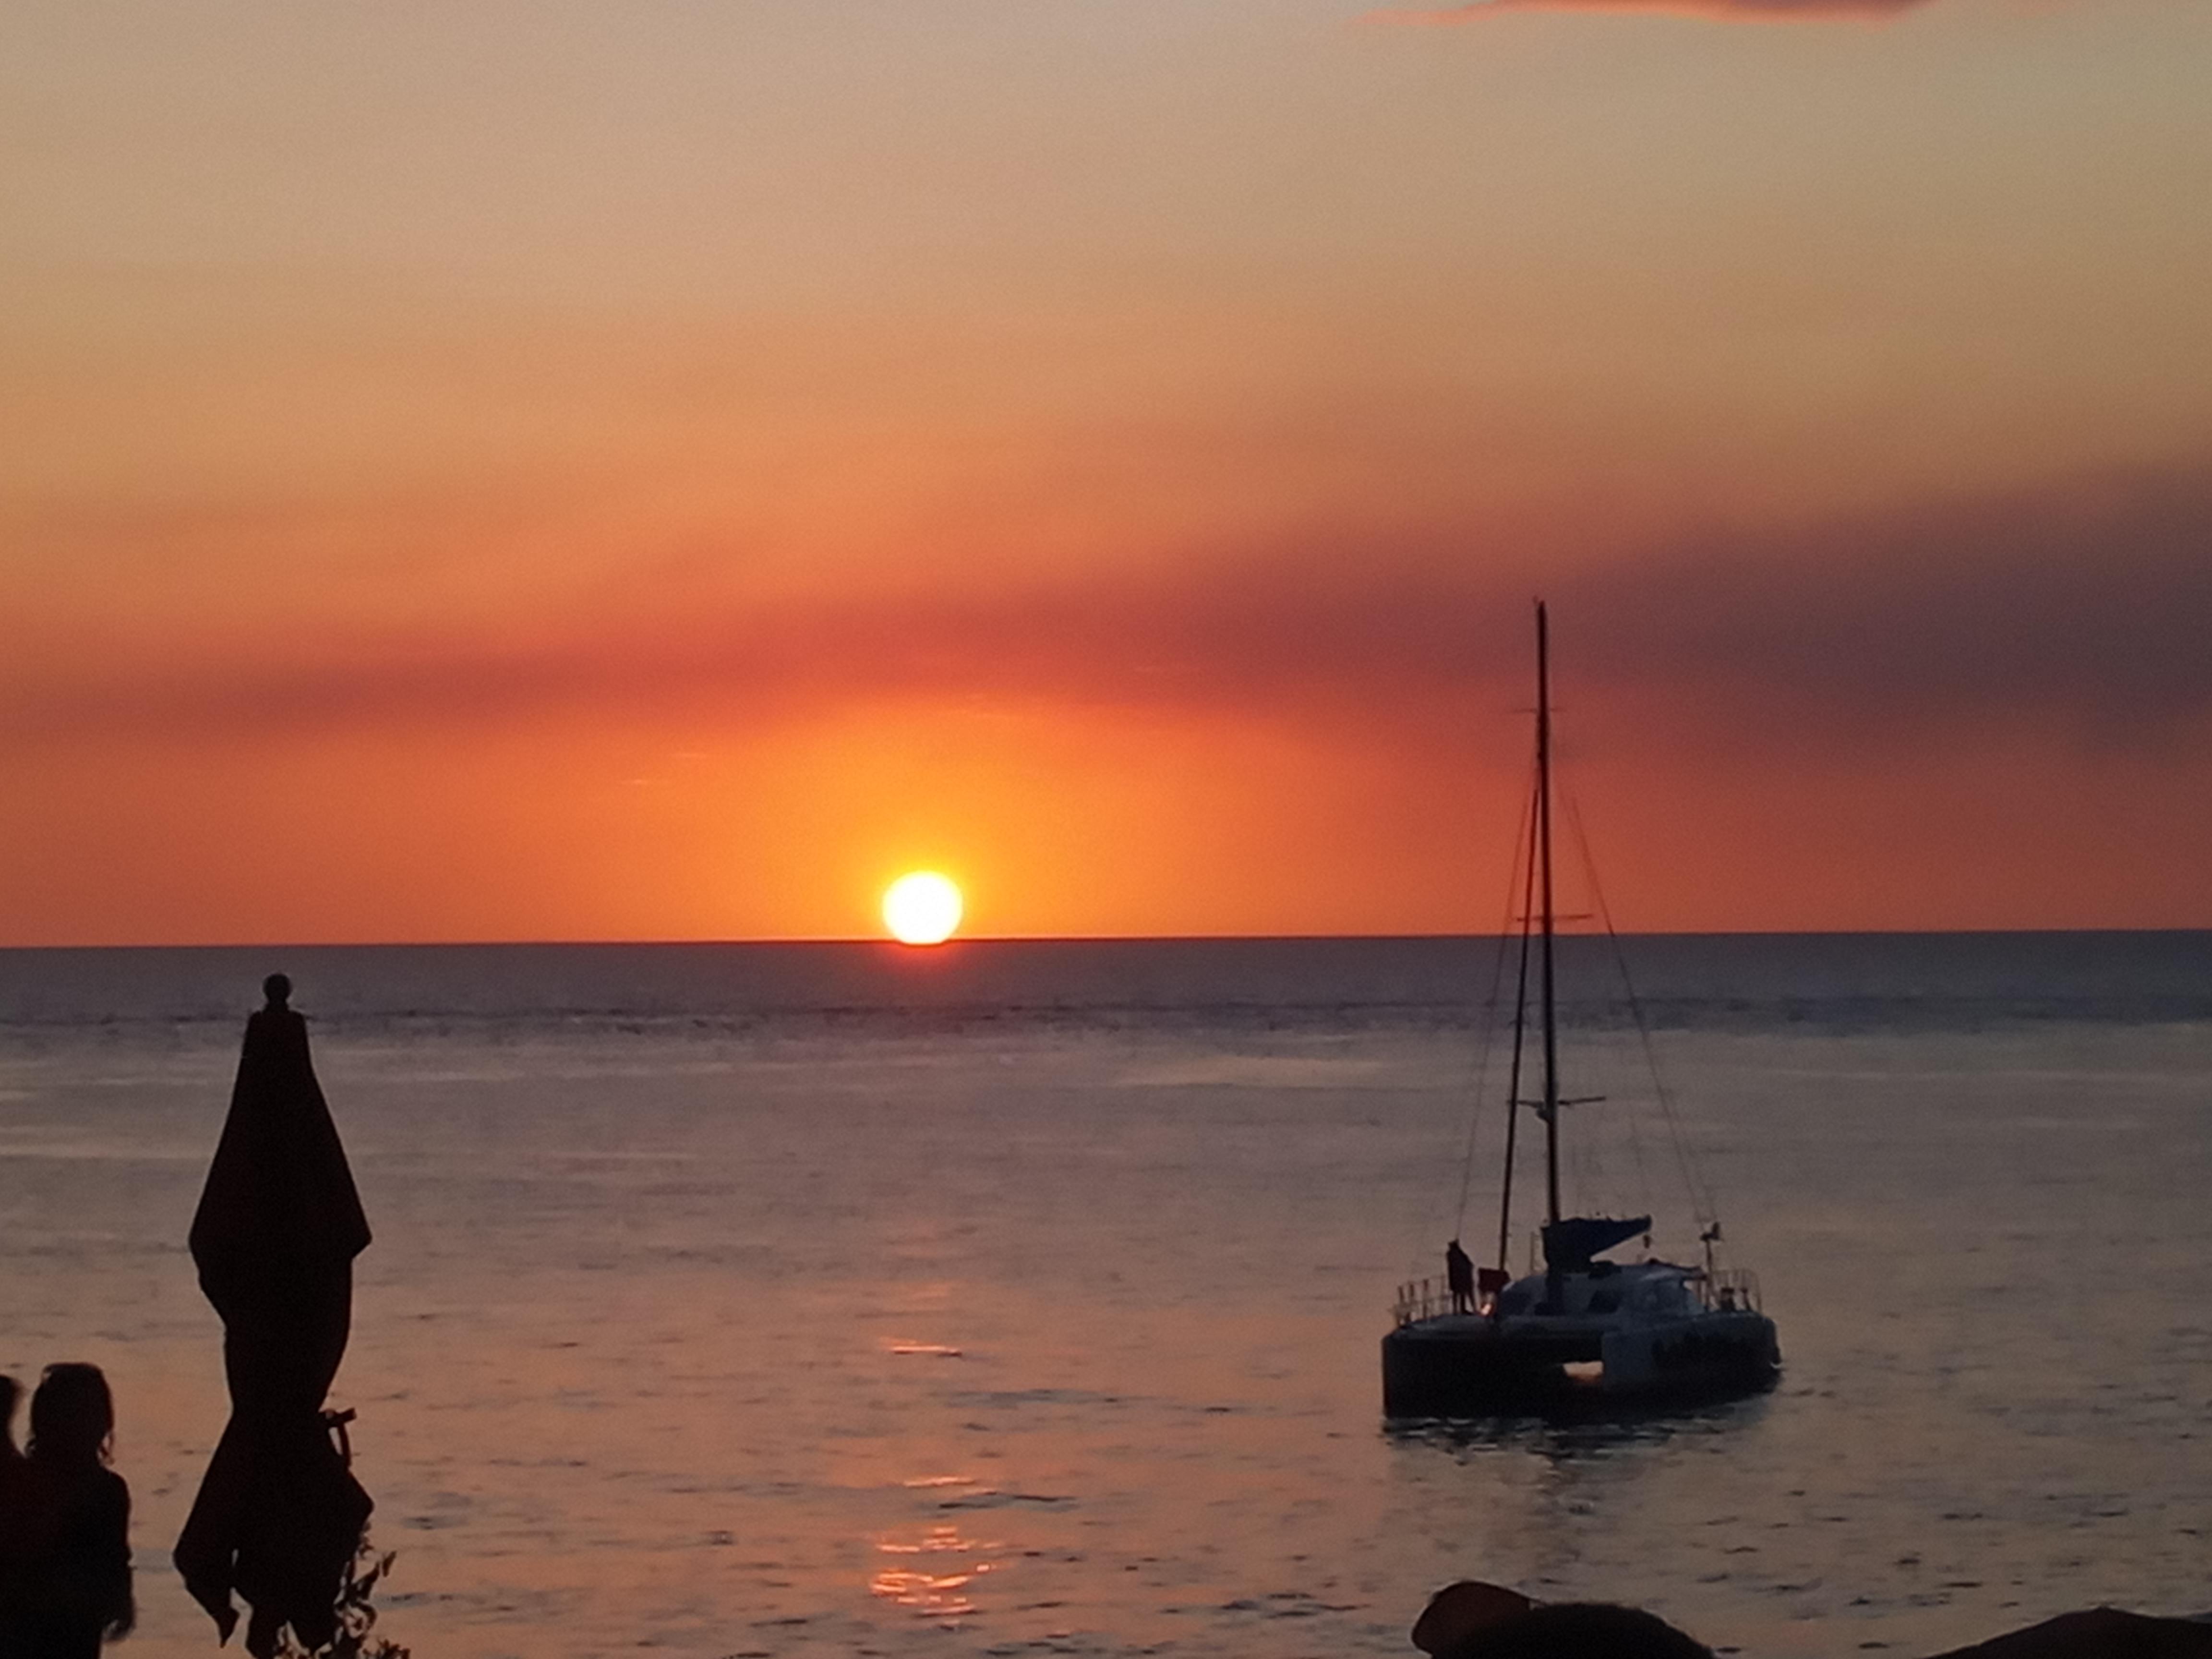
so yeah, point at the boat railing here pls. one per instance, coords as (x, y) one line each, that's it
(1727, 1290)
(1722, 1290)
(1422, 1298)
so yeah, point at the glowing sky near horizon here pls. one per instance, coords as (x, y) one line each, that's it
(556, 471)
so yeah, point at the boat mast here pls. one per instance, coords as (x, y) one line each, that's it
(1549, 1111)
(1513, 1102)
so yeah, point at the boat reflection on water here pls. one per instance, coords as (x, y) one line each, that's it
(1585, 1425)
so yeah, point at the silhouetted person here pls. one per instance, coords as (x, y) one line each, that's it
(278, 1517)
(11, 1487)
(1459, 1273)
(11, 1474)
(65, 1526)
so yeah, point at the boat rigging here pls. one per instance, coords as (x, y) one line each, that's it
(1585, 1328)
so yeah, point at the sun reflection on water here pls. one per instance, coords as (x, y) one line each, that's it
(944, 1564)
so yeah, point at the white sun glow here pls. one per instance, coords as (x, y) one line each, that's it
(922, 909)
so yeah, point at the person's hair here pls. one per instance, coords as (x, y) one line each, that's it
(72, 1415)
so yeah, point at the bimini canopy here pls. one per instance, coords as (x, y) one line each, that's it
(1570, 1245)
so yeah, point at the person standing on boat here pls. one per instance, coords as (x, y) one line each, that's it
(1459, 1273)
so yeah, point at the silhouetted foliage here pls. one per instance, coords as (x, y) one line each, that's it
(356, 1615)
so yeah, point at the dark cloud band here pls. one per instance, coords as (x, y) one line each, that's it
(2080, 608)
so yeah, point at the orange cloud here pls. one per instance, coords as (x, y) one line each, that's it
(1989, 712)
(1727, 11)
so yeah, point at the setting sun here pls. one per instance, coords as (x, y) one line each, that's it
(922, 909)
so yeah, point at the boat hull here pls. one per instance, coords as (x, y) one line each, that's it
(1465, 1365)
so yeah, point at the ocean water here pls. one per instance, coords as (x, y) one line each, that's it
(1025, 1297)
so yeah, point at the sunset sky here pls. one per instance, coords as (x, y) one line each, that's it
(582, 471)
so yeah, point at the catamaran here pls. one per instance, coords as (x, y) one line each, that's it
(1582, 1329)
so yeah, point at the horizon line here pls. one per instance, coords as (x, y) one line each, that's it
(954, 945)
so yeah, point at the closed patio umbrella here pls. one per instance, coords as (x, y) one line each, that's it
(279, 1516)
